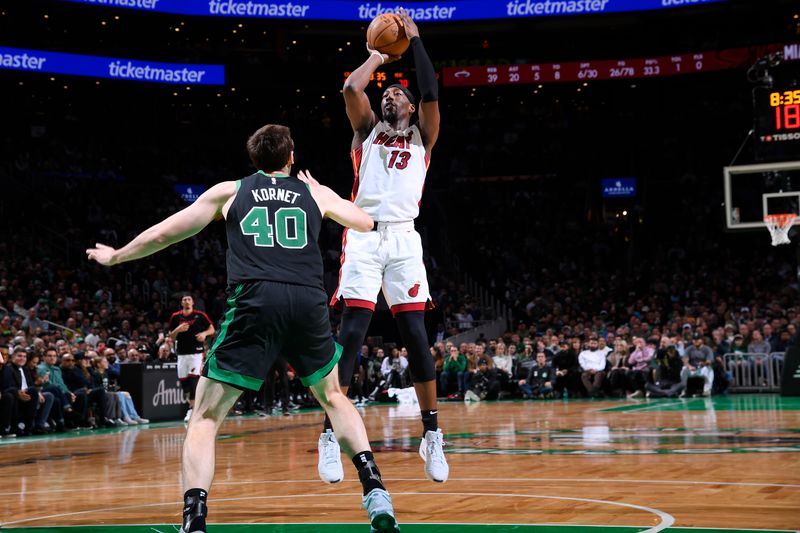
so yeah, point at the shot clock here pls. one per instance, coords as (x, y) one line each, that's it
(777, 121)
(786, 106)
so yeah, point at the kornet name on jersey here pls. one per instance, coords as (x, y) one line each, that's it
(390, 168)
(272, 227)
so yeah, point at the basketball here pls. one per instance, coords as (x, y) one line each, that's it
(387, 35)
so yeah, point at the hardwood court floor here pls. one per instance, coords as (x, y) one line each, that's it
(538, 467)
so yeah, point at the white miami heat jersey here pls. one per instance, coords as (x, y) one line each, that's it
(390, 168)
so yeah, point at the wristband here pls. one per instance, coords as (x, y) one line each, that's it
(375, 52)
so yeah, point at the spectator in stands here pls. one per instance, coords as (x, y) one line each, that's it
(32, 322)
(127, 411)
(769, 337)
(603, 347)
(783, 341)
(668, 381)
(484, 385)
(454, 366)
(525, 362)
(54, 383)
(738, 345)
(373, 375)
(567, 370)
(758, 344)
(79, 381)
(554, 345)
(45, 409)
(18, 381)
(639, 363)
(479, 354)
(8, 402)
(719, 343)
(504, 365)
(618, 368)
(539, 382)
(697, 363)
(164, 354)
(540, 347)
(437, 353)
(513, 352)
(393, 370)
(593, 364)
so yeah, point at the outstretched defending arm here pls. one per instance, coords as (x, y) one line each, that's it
(335, 207)
(427, 84)
(176, 228)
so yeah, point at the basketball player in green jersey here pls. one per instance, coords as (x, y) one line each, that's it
(277, 306)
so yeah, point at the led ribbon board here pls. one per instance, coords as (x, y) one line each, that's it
(111, 67)
(628, 68)
(420, 11)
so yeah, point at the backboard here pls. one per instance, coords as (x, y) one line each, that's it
(754, 191)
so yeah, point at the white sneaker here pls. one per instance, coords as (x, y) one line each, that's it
(188, 415)
(635, 394)
(130, 421)
(141, 420)
(330, 458)
(120, 422)
(470, 396)
(431, 451)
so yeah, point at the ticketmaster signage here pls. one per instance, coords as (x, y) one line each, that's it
(111, 67)
(421, 11)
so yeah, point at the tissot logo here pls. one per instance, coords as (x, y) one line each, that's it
(168, 396)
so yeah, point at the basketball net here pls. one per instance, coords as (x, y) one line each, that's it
(779, 226)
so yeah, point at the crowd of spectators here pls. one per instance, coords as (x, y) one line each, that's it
(49, 387)
(613, 362)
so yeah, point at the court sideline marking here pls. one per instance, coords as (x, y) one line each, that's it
(494, 479)
(665, 519)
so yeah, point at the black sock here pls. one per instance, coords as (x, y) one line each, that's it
(326, 424)
(430, 420)
(195, 510)
(368, 472)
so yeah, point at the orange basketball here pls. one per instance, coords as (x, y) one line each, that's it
(387, 35)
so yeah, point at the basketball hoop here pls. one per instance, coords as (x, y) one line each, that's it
(778, 226)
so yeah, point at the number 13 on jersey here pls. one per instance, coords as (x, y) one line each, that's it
(399, 159)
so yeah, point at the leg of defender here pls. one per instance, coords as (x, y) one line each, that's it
(213, 401)
(355, 322)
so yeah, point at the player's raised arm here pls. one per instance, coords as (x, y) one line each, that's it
(426, 81)
(335, 207)
(362, 117)
(181, 225)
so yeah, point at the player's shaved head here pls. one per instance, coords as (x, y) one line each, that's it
(270, 147)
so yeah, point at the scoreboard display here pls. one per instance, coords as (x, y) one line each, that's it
(776, 114)
(608, 69)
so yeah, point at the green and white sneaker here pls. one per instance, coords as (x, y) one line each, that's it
(379, 508)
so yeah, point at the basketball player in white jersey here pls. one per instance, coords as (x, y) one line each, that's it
(390, 159)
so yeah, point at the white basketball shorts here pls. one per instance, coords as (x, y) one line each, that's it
(190, 365)
(389, 258)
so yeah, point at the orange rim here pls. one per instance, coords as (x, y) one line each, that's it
(781, 220)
